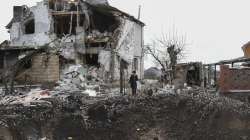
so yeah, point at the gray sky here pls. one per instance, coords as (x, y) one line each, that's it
(215, 29)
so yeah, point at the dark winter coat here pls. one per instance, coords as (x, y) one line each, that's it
(133, 81)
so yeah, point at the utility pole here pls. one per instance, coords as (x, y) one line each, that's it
(78, 13)
(139, 12)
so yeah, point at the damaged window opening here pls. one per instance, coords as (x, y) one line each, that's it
(72, 7)
(28, 64)
(93, 44)
(102, 21)
(11, 58)
(92, 59)
(193, 76)
(29, 27)
(63, 24)
(61, 5)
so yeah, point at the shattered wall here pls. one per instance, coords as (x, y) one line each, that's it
(45, 68)
(90, 37)
(43, 27)
(234, 79)
(9, 58)
(130, 46)
(190, 73)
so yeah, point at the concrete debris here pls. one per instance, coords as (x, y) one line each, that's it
(73, 79)
(77, 78)
(91, 93)
(33, 97)
(96, 35)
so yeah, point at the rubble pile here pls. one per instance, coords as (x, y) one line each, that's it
(162, 116)
(34, 97)
(77, 78)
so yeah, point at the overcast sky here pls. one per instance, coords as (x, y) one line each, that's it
(215, 29)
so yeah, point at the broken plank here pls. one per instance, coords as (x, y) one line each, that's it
(58, 13)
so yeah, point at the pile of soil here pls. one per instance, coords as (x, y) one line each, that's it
(160, 117)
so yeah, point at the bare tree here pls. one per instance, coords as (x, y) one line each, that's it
(167, 51)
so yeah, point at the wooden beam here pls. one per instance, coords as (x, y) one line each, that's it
(62, 13)
(71, 23)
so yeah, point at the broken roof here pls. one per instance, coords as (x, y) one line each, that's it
(99, 5)
(117, 12)
(230, 61)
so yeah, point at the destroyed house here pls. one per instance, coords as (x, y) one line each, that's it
(47, 38)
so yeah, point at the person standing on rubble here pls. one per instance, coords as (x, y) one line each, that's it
(133, 82)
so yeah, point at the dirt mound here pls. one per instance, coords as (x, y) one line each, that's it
(162, 117)
(178, 117)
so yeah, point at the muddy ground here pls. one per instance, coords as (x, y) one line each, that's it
(160, 117)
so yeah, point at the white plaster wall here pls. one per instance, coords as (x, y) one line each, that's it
(130, 41)
(42, 28)
(138, 37)
(126, 43)
(130, 46)
(15, 31)
(42, 18)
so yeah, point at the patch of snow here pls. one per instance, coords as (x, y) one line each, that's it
(33, 96)
(90, 92)
(21, 56)
(73, 79)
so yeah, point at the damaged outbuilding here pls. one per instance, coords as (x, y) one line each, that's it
(188, 74)
(73, 32)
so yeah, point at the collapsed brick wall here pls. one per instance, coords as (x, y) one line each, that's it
(232, 79)
(44, 68)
